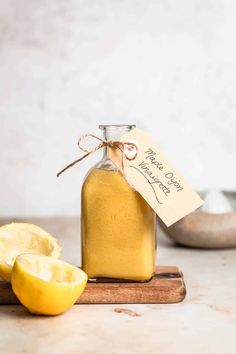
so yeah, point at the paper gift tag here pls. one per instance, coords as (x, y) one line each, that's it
(155, 178)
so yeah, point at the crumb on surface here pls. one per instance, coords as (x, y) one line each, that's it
(127, 312)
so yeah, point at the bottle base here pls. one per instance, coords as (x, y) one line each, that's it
(101, 279)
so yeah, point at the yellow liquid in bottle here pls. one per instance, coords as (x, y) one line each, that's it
(118, 229)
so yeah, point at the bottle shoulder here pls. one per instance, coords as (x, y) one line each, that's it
(106, 164)
(98, 170)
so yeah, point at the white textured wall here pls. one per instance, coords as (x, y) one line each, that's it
(66, 66)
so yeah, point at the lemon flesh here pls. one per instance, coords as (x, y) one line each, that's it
(17, 238)
(46, 285)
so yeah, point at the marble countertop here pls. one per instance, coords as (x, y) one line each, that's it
(204, 323)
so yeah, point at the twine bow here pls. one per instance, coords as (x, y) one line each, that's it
(113, 144)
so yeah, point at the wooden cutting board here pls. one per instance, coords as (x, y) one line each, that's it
(166, 287)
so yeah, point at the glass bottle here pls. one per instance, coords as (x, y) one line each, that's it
(118, 226)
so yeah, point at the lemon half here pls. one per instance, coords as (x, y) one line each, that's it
(46, 285)
(17, 238)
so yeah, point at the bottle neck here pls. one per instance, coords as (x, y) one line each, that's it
(114, 132)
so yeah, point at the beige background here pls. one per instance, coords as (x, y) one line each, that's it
(66, 66)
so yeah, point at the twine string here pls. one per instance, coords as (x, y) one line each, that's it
(113, 144)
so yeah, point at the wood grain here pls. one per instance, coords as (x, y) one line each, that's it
(167, 286)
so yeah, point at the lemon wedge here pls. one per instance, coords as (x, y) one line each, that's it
(46, 285)
(17, 238)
